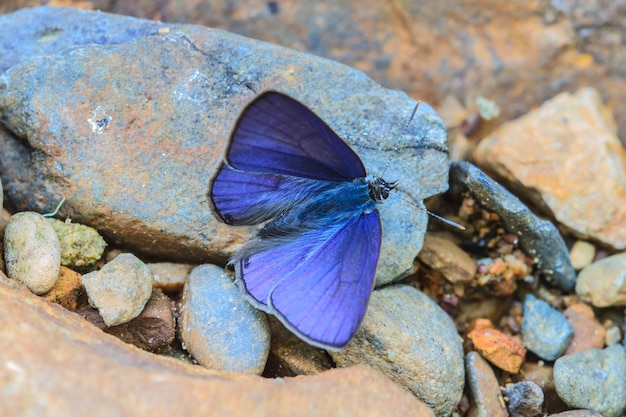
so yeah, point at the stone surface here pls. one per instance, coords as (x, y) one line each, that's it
(588, 332)
(538, 238)
(68, 291)
(525, 399)
(409, 338)
(594, 379)
(444, 256)
(32, 252)
(577, 413)
(582, 254)
(108, 377)
(498, 348)
(168, 116)
(81, 246)
(169, 277)
(290, 356)
(484, 389)
(603, 283)
(218, 327)
(546, 331)
(555, 156)
(120, 289)
(153, 329)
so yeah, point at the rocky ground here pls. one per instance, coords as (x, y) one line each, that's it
(116, 301)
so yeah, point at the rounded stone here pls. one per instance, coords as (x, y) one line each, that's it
(409, 338)
(603, 283)
(525, 399)
(594, 379)
(219, 328)
(32, 251)
(120, 289)
(546, 331)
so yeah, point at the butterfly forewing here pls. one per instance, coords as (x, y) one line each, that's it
(277, 134)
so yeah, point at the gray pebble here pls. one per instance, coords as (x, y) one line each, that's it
(603, 283)
(484, 388)
(546, 331)
(120, 290)
(594, 379)
(539, 239)
(525, 399)
(219, 328)
(409, 338)
(32, 251)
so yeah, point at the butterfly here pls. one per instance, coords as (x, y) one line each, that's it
(313, 262)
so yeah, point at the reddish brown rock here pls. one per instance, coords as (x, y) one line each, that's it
(588, 332)
(555, 156)
(444, 256)
(76, 370)
(68, 291)
(501, 350)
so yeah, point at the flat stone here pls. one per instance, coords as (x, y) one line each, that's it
(109, 377)
(153, 329)
(161, 109)
(565, 156)
(120, 289)
(498, 348)
(32, 252)
(546, 331)
(588, 332)
(68, 291)
(539, 239)
(218, 327)
(484, 389)
(525, 399)
(168, 276)
(603, 283)
(409, 338)
(446, 257)
(594, 379)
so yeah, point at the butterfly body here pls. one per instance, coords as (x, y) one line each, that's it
(313, 262)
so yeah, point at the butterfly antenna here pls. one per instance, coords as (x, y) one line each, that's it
(446, 221)
(405, 129)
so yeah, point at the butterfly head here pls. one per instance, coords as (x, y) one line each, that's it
(379, 188)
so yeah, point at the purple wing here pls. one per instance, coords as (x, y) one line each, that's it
(276, 134)
(318, 284)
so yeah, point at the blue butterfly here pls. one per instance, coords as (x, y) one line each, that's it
(312, 265)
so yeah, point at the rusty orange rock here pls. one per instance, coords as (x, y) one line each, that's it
(501, 350)
(588, 332)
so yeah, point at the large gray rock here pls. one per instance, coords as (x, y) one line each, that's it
(131, 133)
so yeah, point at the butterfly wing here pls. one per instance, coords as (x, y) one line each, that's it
(276, 145)
(318, 284)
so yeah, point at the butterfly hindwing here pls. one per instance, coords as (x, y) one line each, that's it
(318, 284)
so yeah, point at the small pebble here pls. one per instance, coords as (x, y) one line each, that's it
(169, 277)
(484, 388)
(594, 379)
(153, 329)
(546, 331)
(68, 291)
(219, 328)
(525, 399)
(409, 338)
(588, 332)
(603, 283)
(444, 256)
(501, 350)
(582, 254)
(32, 252)
(613, 336)
(81, 246)
(120, 289)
